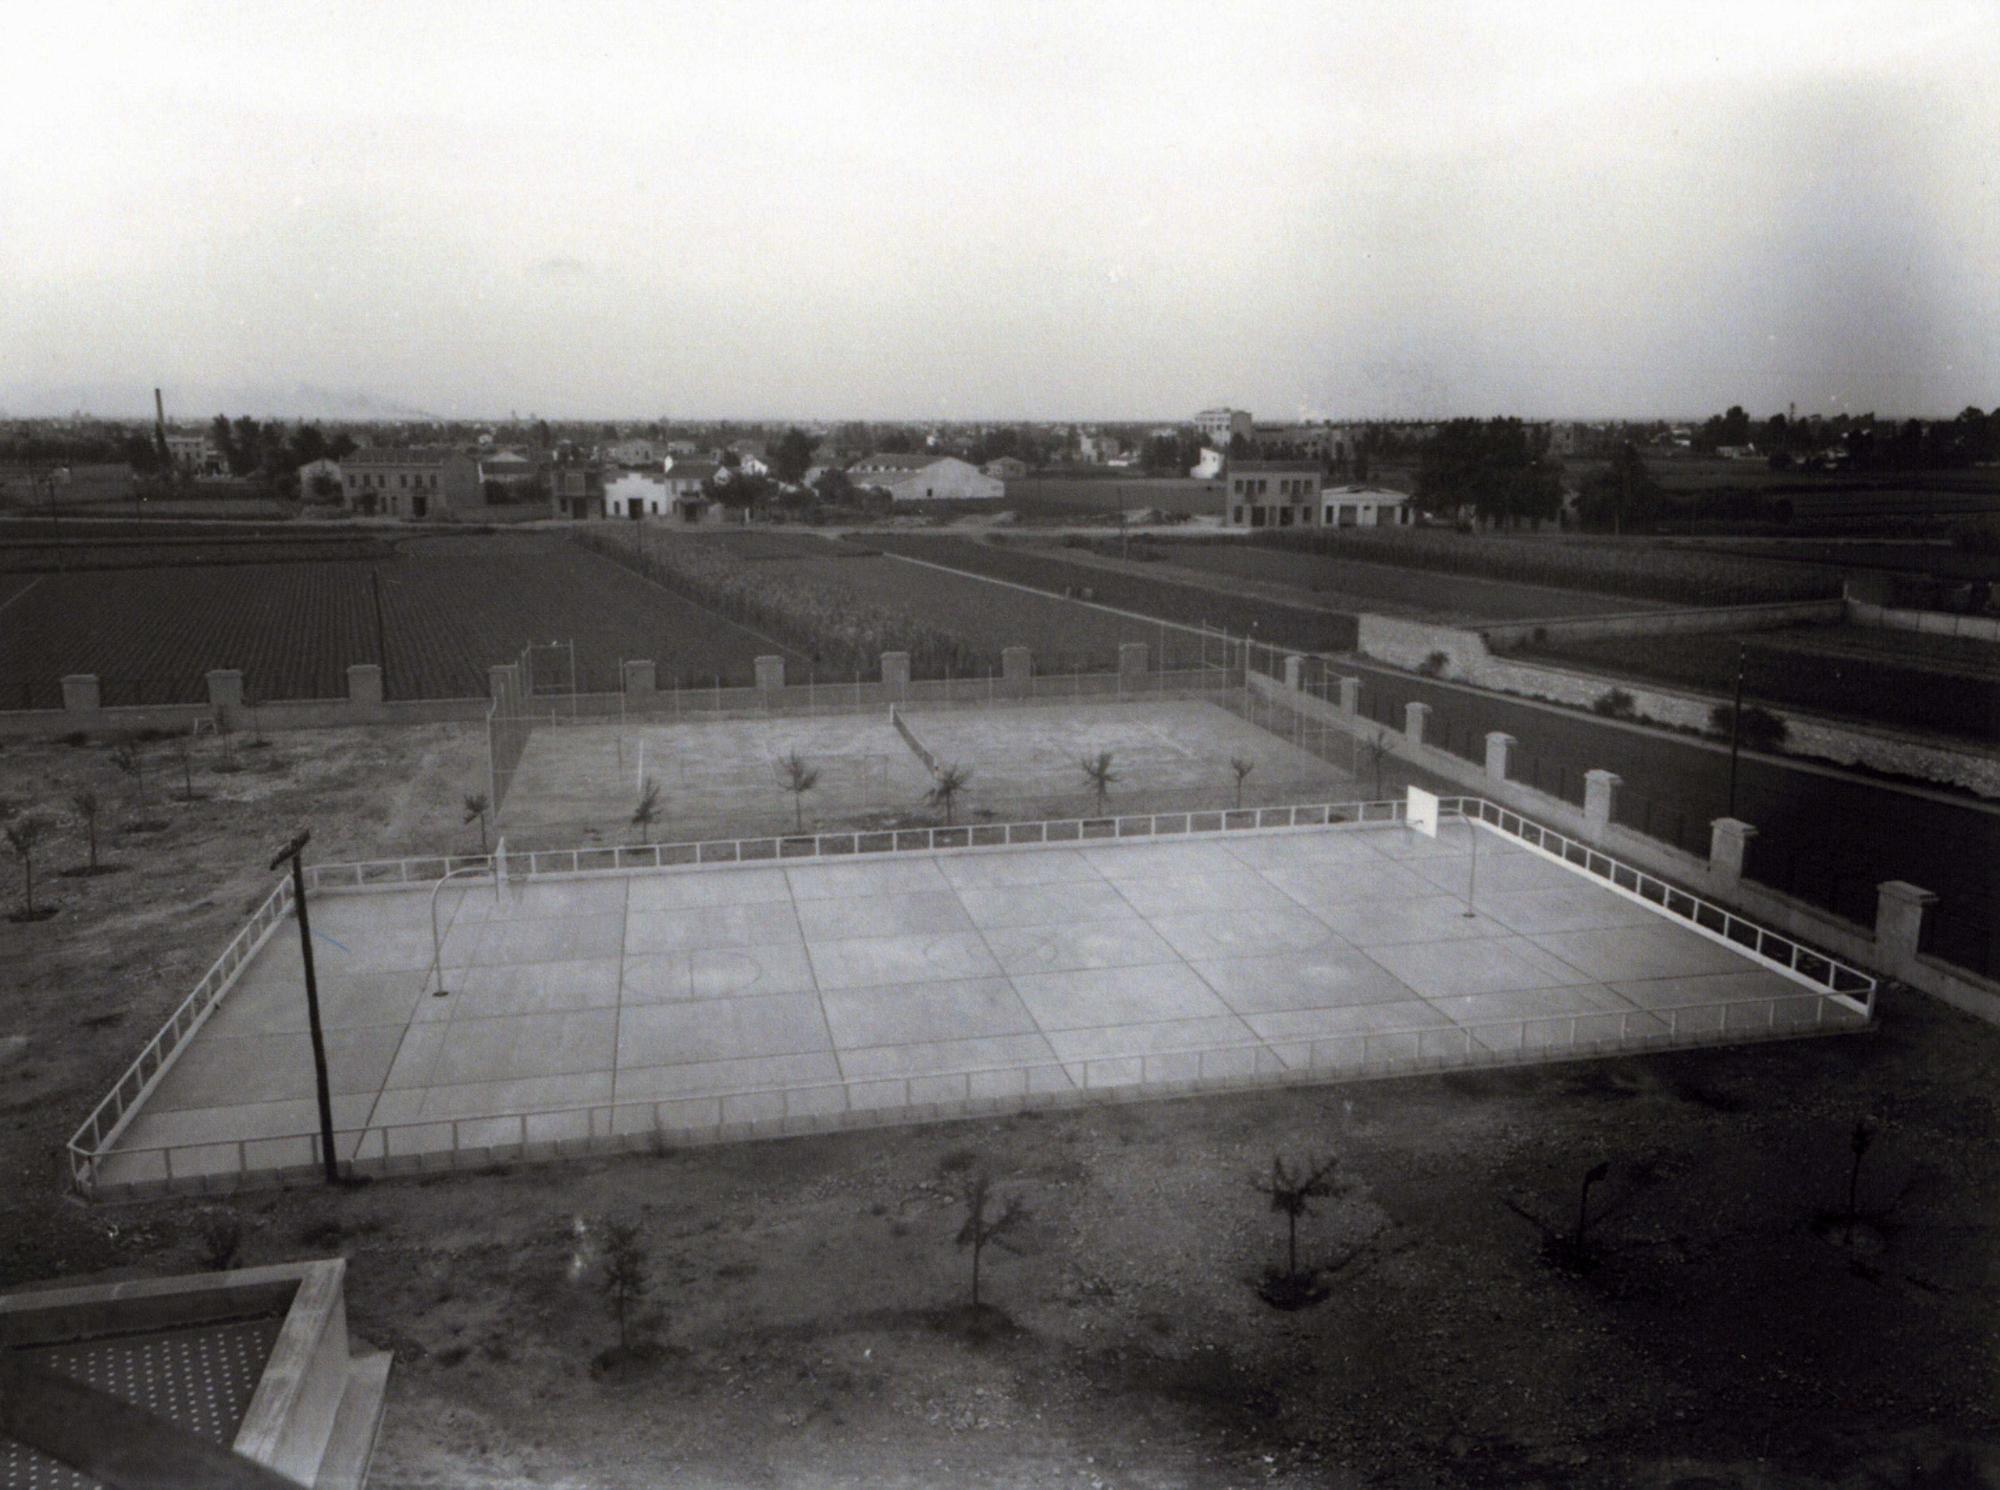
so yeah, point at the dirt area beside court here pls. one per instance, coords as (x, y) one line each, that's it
(812, 1311)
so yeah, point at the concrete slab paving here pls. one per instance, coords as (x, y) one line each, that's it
(733, 995)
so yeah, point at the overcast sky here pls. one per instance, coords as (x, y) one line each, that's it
(1003, 211)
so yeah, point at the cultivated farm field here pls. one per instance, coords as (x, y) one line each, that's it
(1364, 584)
(450, 609)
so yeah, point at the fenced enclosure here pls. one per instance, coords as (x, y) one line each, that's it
(1806, 992)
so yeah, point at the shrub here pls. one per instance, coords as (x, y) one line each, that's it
(1434, 665)
(1615, 703)
(1761, 729)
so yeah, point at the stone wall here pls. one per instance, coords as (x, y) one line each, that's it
(1887, 949)
(1467, 659)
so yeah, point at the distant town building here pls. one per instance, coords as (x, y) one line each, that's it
(1098, 449)
(313, 472)
(194, 455)
(925, 478)
(1218, 426)
(1365, 507)
(507, 468)
(633, 453)
(418, 481)
(635, 494)
(1006, 468)
(690, 478)
(1208, 467)
(1273, 493)
(576, 490)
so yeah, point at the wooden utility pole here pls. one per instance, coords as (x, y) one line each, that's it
(1736, 726)
(294, 852)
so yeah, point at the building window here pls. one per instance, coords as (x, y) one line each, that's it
(1238, 518)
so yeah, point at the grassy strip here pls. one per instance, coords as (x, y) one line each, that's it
(1878, 690)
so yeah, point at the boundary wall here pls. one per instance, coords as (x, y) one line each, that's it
(1890, 946)
(1468, 658)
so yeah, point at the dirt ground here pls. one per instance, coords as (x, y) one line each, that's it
(811, 1309)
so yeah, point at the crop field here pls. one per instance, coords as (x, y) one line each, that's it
(1890, 677)
(1300, 626)
(845, 603)
(1363, 585)
(1632, 568)
(447, 615)
(1062, 635)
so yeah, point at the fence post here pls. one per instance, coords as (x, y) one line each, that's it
(1350, 696)
(1600, 800)
(640, 676)
(1416, 719)
(1899, 924)
(896, 676)
(1295, 672)
(364, 689)
(1728, 842)
(1498, 748)
(1016, 668)
(81, 693)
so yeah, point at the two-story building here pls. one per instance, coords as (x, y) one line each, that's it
(1273, 494)
(414, 481)
(576, 489)
(1217, 426)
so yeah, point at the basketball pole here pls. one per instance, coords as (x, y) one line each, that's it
(294, 851)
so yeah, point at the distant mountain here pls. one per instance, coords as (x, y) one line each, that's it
(190, 401)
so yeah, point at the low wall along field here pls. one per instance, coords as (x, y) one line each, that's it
(446, 615)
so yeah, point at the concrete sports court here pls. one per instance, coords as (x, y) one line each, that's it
(726, 775)
(715, 1001)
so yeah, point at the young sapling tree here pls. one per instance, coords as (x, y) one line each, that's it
(1099, 776)
(476, 806)
(1240, 767)
(648, 811)
(982, 1227)
(945, 787)
(801, 776)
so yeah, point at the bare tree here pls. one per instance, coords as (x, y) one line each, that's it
(981, 1228)
(1241, 767)
(183, 747)
(130, 759)
(800, 777)
(945, 787)
(1858, 1144)
(87, 804)
(648, 811)
(475, 811)
(23, 833)
(1378, 753)
(1098, 773)
(625, 1276)
(1292, 1192)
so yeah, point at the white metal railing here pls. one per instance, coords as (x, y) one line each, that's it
(107, 1120)
(859, 1101)
(1781, 953)
(850, 843)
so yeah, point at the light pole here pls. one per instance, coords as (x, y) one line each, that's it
(437, 937)
(293, 851)
(1736, 726)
